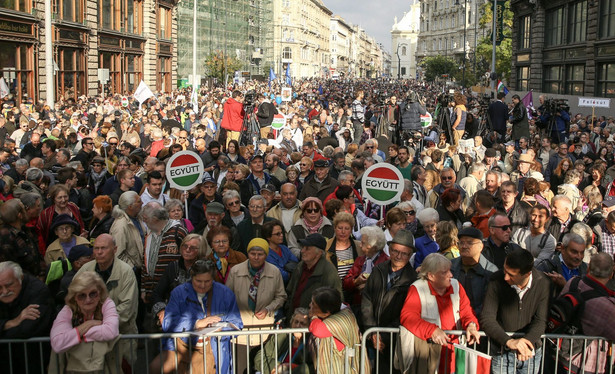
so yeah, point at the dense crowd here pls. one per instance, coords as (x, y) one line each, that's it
(503, 208)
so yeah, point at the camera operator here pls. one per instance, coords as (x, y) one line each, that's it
(232, 120)
(411, 115)
(498, 115)
(266, 111)
(553, 110)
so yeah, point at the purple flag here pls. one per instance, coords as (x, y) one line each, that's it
(528, 102)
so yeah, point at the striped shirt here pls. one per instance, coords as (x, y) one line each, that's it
(344, 261)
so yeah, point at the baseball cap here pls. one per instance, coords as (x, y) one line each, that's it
(609, 201)
(269, 187)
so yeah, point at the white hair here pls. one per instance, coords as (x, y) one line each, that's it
(428, 215)
(14, 267)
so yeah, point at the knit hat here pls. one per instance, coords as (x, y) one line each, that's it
(259, 243)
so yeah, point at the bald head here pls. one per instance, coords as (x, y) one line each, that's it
(104, 251)
(37, 162)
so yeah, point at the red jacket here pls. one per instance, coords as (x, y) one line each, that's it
(233, 113)
(44, 223)
(481, 222)
(356, 271)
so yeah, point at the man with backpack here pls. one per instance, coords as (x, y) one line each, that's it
(568, 263)
(592, 316)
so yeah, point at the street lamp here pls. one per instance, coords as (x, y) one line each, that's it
(399, 60)
(465, 16)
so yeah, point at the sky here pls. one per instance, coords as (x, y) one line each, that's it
(375, 17)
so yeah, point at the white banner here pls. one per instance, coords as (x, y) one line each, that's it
(4, 89)
(595, 102)
(143, 93)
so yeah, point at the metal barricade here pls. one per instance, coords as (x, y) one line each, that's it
(269, 349)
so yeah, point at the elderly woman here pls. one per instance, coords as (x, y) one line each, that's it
(58, 194)
(343, 249)
(103, 220)
(195, 305)
(446, 237)
(127, 230)
(409, 210)
(435, 303)
(449, 208)
(86, 327)
(223, 257)
(335, 330)
(259, 289)
(570, 189)
(235, 212)
(426, 244)
(395, 221)
(311, 221)
(191, 250)
(176, 212)
(306, 169)
(292, 176)
(373, 242)
(279, 254)
(64, 227)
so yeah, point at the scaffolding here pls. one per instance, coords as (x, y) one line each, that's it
(241, 29)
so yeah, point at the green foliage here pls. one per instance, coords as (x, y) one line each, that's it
(435, 66)
(503, 52)
(215, 63)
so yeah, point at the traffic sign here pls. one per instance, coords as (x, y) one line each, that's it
(279, 120)
(383, 183)
(185, 170)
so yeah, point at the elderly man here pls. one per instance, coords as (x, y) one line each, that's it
(517, 300)
(215, 217)
(122, 286)
(288, 210)
(448, 178)
(523, 171)
(471, 268)
(26, 311)
(562, 219)
(473, 182)
(536, 238)
(385, 291)
(321, 184)
(498, 245)
(568, 263)
(252, 226)
(313, 271)
(435, 303)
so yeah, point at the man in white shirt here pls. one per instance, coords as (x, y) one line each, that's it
(536, 238)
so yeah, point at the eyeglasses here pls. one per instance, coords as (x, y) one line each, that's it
(89, 143)
(233, 203)
(190, 247)
(278, 233)
(220, 242)
(64, 228)
(369, 147)
(410, 212)
(257, 207)
(503, 227)
(112, 143)
(398, 253)
(303, 164)
(91, 295)
(315, 210)
(447, 178)
(463, 243)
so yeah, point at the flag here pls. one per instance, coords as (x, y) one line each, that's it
(272, 76)
(142, 93)
(4, 89)
(287, 74)
(194, 98)
(528, 102)
(468, 360)
(502, 88)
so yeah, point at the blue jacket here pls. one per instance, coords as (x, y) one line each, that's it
(280, 262)
(424, 247)
(184, 309)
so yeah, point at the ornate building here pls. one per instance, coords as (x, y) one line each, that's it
(404, 38)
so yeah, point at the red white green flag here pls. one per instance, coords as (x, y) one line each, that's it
(468, 360)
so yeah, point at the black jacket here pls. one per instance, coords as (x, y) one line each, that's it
(265, 113)
(555, 228)
(495, 254)
(554, 264)
(498, 115)
(519, 218)
(380, 307)
(101, 227)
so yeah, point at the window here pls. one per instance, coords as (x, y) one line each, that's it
(163, 81)
(607, 18)
(164, 23)
(71, 78)
(132, 72)
(403, 51)
(286, 3)
(16, 67)
(554, 28)
(577, 22)
(523, 78)
(69, 10)
(606, 80)
(575, 79)
(121, 15)
(553, 79)
(524, 32)
(20, 5)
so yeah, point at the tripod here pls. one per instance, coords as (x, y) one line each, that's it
(250, 129)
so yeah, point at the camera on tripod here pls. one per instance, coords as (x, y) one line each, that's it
(249, 98)
(556, 105)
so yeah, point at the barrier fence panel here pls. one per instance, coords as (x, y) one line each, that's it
(265, 350)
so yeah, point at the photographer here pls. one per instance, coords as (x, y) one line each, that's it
(265, 113)
(554, 116)
(411, 115)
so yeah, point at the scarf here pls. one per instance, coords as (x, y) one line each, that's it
(98, 177)
(154, 246)
(313, 229)
(253, 290)
(343, 327)
(221, 264)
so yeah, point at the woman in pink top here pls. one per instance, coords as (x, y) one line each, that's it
(88, 319)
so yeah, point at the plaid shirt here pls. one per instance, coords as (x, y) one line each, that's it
(608, 239)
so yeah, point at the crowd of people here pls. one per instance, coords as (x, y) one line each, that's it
(501, 210)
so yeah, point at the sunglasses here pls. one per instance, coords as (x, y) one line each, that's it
(89, 143)
(410, 212)
(369, 147)
(91, 295)
(112, 143)
(233, 203)
(447, 178)
(315, 210)
(503, 227)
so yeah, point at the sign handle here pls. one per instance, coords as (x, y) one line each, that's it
(186, 203)
(593, 108)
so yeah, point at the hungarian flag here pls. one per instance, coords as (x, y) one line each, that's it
(468, 360)
(502, 88)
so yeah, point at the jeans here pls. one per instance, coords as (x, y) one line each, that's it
(507, 363)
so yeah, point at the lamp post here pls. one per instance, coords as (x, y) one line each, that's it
(399, 60)
(465, 21)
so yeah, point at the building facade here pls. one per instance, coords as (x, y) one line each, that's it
(341, 47)
(446, 24)
(131, 40)
(301, 38)
(404, 39)
(564, 47)
(238, 29)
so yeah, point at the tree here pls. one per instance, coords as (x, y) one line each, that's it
(436, 66)
(503, 52)
(215, 63)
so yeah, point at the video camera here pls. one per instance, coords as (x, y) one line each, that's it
(249, 98)
(556, 105)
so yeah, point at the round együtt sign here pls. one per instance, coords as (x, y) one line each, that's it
(185, 170)
(382, 183)
(279, 120)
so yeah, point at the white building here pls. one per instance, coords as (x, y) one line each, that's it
(404, 41)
